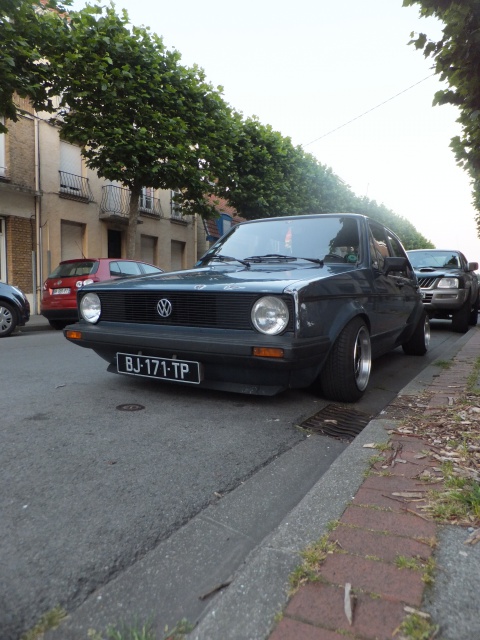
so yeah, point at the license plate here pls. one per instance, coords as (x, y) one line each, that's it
(57, 292)
(160, 368)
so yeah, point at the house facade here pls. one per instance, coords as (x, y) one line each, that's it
(53, 208)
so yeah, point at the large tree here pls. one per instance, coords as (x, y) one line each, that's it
(25, 28)
(456, 57)
(141, 118)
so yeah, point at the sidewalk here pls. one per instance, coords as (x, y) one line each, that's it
(382, 558)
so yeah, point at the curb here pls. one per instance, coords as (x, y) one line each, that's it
(258, 596)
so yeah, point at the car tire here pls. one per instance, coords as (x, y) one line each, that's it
(345, 375)
(474, 313)
(460, 318)
(57, 324)
(8, 319)
(418, 343)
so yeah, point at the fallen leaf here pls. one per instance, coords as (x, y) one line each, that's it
(348, 603)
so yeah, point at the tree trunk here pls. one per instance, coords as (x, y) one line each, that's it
(133, 222)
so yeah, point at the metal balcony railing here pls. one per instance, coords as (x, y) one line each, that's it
(75, 187)
(116, 203)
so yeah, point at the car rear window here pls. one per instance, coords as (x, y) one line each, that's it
(82, 268)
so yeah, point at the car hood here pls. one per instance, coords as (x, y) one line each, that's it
(430, 272)
(259, 277)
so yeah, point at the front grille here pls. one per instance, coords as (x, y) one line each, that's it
(189, 309)
(425, 283)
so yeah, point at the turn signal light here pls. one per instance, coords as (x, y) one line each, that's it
(73, 335)
(268, 352)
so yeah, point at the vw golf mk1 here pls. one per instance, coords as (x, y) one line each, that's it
(275, 304)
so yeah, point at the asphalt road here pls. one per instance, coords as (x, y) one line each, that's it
(89, 491)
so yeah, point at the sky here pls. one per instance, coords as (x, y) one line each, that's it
(339, 78)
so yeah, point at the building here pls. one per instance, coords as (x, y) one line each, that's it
(52, 208)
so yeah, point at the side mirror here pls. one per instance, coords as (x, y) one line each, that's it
(472, 266)
(394, 264)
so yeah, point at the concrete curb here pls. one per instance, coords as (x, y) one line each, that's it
(247, 610)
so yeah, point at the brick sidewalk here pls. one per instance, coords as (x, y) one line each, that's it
(374, 530)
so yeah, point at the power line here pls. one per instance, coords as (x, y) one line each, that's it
(369, 110)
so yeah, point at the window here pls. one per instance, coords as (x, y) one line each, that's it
(72, 237)
(148, 248)
(3, 259)
(176, 208)
(146, 199)
(123, 268)
(378, 246)
(3, 161)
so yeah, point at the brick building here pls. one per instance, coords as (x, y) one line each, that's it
(53, 208)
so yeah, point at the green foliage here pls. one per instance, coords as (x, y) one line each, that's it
(456, 59)
(25, 27)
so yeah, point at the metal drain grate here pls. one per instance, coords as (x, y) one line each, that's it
(336, 421)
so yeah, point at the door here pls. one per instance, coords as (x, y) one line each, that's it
(114, 242)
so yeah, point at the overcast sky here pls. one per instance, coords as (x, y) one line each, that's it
(309, 67)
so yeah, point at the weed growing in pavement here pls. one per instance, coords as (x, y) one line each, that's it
(443, 364)
(402, 562)
(472, 380)
(48, 621)
(332, 525)
(312, 556)
(418, 627)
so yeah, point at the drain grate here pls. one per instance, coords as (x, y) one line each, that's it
(130, 407)
(336, 421)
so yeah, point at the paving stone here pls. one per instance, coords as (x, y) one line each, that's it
(289, 629)
(401, 585)
(323, 605)
(393, 483)
(402, 524)
(379, 545)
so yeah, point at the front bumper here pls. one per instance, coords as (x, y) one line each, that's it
(443, 300)
(226, 357)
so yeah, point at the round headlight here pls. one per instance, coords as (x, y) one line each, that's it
(90, 307)
(270, 315)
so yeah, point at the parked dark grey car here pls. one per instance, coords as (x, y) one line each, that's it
(449, 285)
(14, 309)
(275, 304)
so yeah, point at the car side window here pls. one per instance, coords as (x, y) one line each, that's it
(147, 268)
(398, 252)
(378, 246)
(128, 268)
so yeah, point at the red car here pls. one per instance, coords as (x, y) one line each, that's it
(59, 296)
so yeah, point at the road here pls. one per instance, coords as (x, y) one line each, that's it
(198, 478)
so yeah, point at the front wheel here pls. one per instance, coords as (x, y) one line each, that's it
(58, 324)
(346, 372)
(8, 319)
(461, 318)
(418, 343)
(474, 313)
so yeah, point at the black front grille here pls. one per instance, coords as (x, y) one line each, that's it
(189, 309)
(425, 283)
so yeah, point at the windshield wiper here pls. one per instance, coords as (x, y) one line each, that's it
(221, 258)
(270, 257)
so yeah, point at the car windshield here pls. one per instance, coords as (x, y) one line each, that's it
(326, 238)
(78, 268)
(435, 259)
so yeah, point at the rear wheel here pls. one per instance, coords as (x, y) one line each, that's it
(8, 319)
(460, 318)
(346, 372)
(418, 343)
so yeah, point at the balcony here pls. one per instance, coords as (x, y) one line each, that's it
(75, 187)
(115, 204)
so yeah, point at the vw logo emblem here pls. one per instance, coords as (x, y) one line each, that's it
(164, 307)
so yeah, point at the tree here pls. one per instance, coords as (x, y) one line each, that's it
(25, 27)
(141, 118)
(457, 60)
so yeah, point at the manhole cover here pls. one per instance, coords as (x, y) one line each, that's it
(336, 421)
(130, 407)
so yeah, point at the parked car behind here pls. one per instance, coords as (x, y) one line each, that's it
(275, 304)
(14, 309)
(449, 285)
(59, 295)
